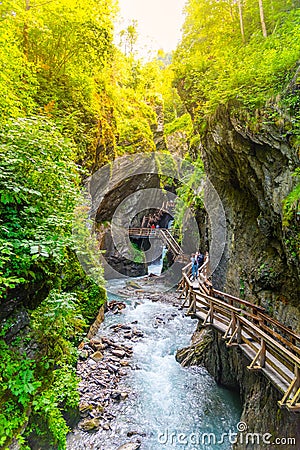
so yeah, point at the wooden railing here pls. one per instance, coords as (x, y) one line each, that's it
(271, 347)
(161, 233)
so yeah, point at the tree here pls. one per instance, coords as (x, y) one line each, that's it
(129, 38)
(240, 6)
(262, 18)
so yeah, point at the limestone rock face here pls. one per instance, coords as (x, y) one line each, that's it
(252, 173)
(177, 143)
(158, 129)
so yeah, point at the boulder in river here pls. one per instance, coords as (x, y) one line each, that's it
(118, 353)
(97, 356)
(89, 425)
(133, 285)
(130, 446)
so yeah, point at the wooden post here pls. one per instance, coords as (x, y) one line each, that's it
(263, 353)
(194, 303)
(211, 312)
(239, 332)
(294, 390)
(231, 327)
(297, 376)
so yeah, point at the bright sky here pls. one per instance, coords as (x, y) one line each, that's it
(159, 22)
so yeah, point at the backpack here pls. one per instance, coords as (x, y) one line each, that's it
(200, 259)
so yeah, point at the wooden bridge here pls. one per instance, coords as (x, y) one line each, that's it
(270, 347)
(164, 235)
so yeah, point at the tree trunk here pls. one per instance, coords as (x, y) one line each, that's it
(262, 18)
(240, 6)
(25, 29)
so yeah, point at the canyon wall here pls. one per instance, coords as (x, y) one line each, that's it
(251, 169)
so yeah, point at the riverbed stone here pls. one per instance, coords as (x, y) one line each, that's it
(137, 332)
(83, 354)
(118, 353)
(130, 446)
(92, 363)
(133, 285)
(97, 356)
(135, 433)
(124, 363)
(89, 424)
(85, 408)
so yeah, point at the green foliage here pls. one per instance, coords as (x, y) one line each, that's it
(291, 205)
(52, 55)
(38, 189)
(40, 389)
(87, 246)
(183, 124)
(136, 254)
(213, 63)
(189, 192)
(91, 299)
(47, 407)
(56, 322)
(18, 384)
(134, 111)
(291, 217)
(165, 163)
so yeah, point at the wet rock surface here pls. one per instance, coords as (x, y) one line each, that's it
(260, 398)
(252, 173)
(103, 362)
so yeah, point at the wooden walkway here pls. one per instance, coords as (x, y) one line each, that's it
(164, 235)
(271, 348)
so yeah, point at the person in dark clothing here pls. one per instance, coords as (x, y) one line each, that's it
(200, 259)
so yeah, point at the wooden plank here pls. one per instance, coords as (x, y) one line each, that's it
(269, 372)
(281, 369)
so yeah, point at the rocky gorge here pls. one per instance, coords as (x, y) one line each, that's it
(133, 392)
(251, 168)
(259, 397)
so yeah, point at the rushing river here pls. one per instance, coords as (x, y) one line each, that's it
(172, 407)
(168, 407)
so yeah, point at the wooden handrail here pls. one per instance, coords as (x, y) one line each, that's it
(162, 233)
(239, 300)
(275, 347)
(270, 341)
(282, 327)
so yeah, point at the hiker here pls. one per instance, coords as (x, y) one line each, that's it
(194, 266)
(200, 259)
